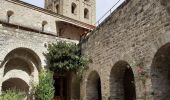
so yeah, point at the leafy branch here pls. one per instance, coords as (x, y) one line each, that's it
(63, 57)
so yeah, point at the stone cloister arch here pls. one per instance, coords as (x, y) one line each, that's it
(122, 84)
(15, 83)
(160, 73)
(20, 69)
(93, 87)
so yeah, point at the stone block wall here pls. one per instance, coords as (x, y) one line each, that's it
(133, 33)
(21, 47)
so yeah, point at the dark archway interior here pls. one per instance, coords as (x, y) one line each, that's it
(160, 73)
(99, 89)
(18, 64)
(24, 53)
(15, 84)
(61, 88)
(94, 87)
(129, 86)
(122, 85)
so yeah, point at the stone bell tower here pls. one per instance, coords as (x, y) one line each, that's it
(81, 10)
(54, 5)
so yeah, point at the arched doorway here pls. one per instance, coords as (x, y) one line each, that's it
(93, 86)
(160, 73)
(67, 86)
(122, 84)
(15, 84)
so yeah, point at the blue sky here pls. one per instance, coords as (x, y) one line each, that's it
(102, 6)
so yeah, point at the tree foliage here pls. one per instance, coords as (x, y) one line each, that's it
(45, 89)
(63, 57)
(12, 95)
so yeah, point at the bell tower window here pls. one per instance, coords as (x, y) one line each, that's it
(86, 13)
(57, 9)
(73, 8)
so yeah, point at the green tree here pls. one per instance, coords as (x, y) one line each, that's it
(12, 95)
(45, 89)
(63, 57)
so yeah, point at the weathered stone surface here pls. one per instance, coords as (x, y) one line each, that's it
(130, 49)
(133, 33)
(64, 7)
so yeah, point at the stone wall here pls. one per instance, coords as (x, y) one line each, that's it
(81, 5)
(64, 8)
(133, 33)
(23, 49)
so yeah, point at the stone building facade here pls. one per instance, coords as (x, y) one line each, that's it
(82, 10)
(25, 32)
(130, 49)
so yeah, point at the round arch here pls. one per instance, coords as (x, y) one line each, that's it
(93, 87)
(15, 84)
(24, 53)
(122, 84)
(160, 73)
(19, 64)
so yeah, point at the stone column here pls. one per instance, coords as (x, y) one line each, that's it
(1, 78)
(1, 75)
(0, 89)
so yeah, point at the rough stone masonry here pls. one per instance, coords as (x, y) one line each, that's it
(132, 44)
(130, 50)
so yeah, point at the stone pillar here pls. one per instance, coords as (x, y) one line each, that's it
(0, 89)
(1, 78)
(1, 75)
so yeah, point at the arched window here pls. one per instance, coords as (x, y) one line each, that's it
(57, 9)
(73, 8)
(86, 13)
(9, 14)
(43, 25)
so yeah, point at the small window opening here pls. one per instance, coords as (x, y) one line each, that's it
(86, 13)
(43, 25)
(57, 9)
(9, 14)
(73, 8)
